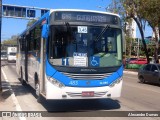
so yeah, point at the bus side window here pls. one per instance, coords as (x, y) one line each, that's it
(31, 40)
(37, 37)
(22, 43)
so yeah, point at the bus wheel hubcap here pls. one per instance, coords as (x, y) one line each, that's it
(37, 89)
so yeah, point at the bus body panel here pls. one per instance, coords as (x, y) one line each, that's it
(33, 67)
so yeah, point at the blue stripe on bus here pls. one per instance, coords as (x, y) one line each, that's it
(50, 71)
(44, 17)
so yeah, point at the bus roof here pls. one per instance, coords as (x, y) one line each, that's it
(81, 10)
(55, 10)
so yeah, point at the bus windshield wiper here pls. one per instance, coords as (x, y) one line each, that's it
(68, 27)
(69, 31)
(102, 32)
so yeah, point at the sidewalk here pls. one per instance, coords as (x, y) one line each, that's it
(6, 100)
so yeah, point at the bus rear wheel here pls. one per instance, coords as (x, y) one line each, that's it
(21, 79)
(37, 89)
(38, 95)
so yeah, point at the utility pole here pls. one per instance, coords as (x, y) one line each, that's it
(0, 40)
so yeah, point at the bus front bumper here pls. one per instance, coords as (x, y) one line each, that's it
(54, 92)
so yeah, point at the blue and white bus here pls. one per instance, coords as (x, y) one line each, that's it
(72, 54)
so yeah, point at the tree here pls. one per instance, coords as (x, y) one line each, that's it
(143, 11)
(150, 12)
(12, 41)
(31, 22)
(133, 10)
(117, 7)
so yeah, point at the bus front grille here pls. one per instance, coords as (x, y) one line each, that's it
(87, 76)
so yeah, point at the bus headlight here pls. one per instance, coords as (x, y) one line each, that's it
(115, 82)
(56, 82)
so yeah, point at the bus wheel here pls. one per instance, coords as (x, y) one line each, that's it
(37, 88)
(38, 95)
(21, 79)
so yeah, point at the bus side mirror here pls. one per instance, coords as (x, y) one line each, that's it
(45, 31)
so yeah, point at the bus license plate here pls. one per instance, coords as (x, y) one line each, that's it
(88, 94)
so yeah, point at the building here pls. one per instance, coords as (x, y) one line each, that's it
(131, 28)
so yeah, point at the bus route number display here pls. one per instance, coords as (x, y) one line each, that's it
(82, 29)
(85, 17)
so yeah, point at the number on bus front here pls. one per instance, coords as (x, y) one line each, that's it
(73, 82)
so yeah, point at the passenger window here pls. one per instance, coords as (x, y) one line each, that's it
(148, 67)
(154, 68)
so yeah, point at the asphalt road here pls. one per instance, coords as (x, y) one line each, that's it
(135, 97)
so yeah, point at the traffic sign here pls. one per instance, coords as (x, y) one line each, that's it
(22, 12)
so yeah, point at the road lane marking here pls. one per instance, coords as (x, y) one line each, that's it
(15, 101)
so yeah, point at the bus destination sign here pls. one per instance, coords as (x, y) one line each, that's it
(72, 16)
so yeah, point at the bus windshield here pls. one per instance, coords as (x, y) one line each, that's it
(13, 54)
(85, 46)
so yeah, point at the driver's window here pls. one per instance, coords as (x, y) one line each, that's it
(148, 67)
(154, 68)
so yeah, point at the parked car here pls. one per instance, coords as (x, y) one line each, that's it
(149, 73)
(130, 59)
(138, 61)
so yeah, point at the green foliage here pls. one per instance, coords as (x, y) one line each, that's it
(31, 22)
(132, 9)
(9, 42)
(150, 11)
(12, 41)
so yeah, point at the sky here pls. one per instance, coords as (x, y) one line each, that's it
(11, 26)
